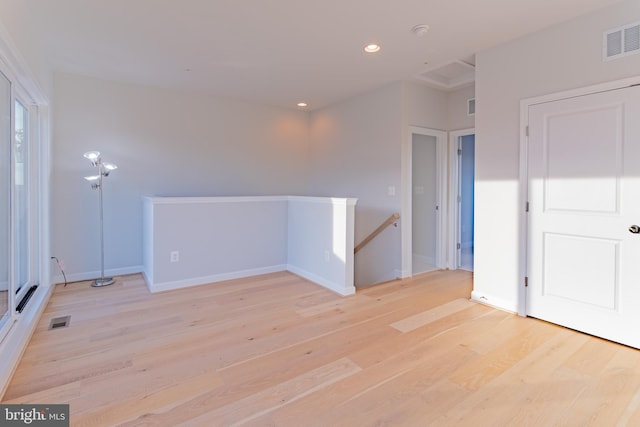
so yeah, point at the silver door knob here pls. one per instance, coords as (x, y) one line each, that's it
(634, 229)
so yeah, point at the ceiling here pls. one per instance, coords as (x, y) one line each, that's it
(280, 52)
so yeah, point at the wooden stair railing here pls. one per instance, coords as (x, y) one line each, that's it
(393, 218)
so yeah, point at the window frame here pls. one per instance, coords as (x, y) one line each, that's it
(31, 200)
(37, 194)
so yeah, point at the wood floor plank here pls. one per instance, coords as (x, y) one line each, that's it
(347, 397)
(418, 320)
(271, 398)
(277, 350)
(509, 394)
(489, 366)
(160, 399)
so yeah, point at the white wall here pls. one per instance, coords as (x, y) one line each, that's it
(424, 106)
(355, 152)
(321, 241)
(223, 238)
(559, 58)
(18, 31)
(175, 143)
(166, 143)
(217, 238)
(457, 108)
(359, 148)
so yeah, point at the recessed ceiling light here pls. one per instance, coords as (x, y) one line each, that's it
(372, 48)
(302, 104)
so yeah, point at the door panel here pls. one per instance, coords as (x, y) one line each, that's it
(424, 204)
(594, 137)
(584, 193)
(589, 276)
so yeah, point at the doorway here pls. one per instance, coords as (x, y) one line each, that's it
(462, 154)
(427, 210)
(466, 181)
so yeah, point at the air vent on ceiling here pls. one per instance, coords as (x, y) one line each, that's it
(450, 75)
(622, 41)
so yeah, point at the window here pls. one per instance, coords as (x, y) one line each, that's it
(21, 199)
(5, 204)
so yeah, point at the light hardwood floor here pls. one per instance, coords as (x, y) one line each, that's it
(275, 350)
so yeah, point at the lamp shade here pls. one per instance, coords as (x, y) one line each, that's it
(92, 155)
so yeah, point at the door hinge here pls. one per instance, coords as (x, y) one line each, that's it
(526, 208)
(526, 131)
(458, 246)
(459, 151)
(526, 281)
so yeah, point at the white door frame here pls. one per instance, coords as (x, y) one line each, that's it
(407, 192)
(454, 184)
(524, 177)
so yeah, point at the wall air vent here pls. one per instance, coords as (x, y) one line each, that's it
(471, 107)
(622, 41)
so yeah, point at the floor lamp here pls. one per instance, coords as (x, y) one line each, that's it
(104, 169)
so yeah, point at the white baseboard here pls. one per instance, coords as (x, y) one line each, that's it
(15, 343)
(335, 287)
(196, 281)
(402, 274)
(90, 275)
(494, 302)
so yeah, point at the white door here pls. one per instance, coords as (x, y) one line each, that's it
(425, 202)
(584, 201)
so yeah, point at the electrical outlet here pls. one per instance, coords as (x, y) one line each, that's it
(391, 191)
(326, 256)
(175, 256)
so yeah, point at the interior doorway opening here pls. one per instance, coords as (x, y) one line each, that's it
(425, 209)
(462, 179)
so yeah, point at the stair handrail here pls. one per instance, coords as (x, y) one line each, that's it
(391, 220)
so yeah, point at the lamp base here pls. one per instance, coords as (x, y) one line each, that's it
(105, 281)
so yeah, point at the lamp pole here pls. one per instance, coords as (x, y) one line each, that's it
(103, 170)
(102, 281)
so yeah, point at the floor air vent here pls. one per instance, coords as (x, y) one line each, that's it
(623, 41)
(59, 322)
